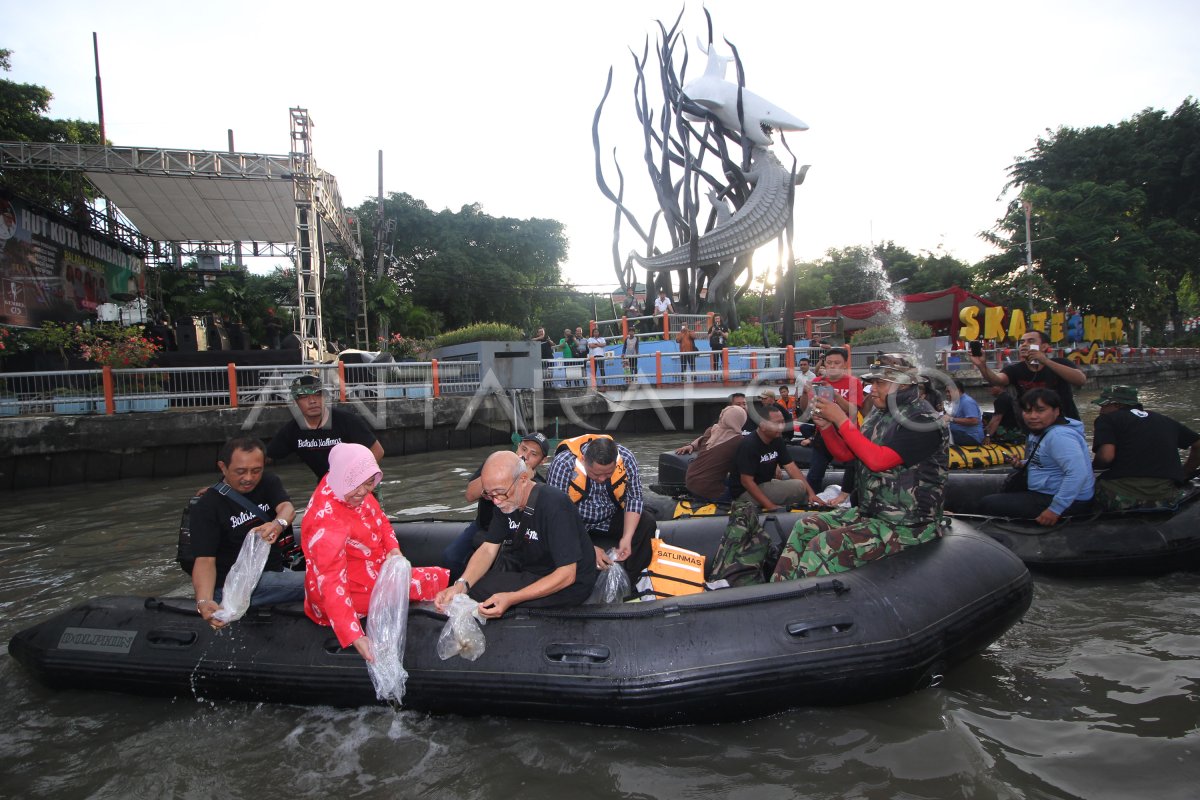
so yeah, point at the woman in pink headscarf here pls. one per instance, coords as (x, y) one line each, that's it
(346, 537)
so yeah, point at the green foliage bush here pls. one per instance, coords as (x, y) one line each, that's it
(888, 333)
(479, 332)
(746, 335)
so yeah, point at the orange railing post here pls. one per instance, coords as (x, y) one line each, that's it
(437, 388)
(110, 407)
(753, 366)
(791, 363)
(231, 371)
(624, 327)
(342, 380)
(725, 365)
(592, 371)
(658, 381)
(666, 326)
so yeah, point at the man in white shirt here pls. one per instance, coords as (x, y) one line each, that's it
(662, 304)
(804, 376)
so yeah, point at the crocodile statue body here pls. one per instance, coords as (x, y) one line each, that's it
(761, 218)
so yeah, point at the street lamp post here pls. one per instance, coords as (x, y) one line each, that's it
(1028, 206)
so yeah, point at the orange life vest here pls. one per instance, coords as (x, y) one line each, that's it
(579, 485)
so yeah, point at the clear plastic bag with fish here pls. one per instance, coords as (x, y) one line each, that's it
(387, 625)
(462, 635)
(243, 576)
(612, 584)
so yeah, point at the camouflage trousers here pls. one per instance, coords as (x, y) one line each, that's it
(836, 541)
(1124, 494)
(745, 551)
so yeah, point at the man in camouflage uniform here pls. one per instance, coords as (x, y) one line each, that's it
(900, 476)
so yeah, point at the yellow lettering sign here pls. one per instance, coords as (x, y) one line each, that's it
(1056, 327)
(993, 322)
(1037, 321)
(968, 316)
(1016, 324)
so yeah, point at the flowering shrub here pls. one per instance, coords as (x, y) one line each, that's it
(130, 351)
(7, 342)
(400, 346)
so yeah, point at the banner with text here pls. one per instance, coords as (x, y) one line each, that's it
(51, 269)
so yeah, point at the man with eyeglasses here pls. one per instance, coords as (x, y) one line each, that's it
(532, 449)
(550, 562)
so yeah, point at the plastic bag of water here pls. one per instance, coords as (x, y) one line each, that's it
(242, 578)
(461, 636)
(612, 585)
(386, 627)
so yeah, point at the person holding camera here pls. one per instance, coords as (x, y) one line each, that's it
(1036, 370)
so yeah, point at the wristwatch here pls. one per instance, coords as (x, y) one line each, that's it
(465, 583)
(282, 522)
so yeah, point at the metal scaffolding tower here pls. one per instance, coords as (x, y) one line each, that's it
(310, 253)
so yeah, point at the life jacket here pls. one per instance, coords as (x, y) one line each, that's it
(579, 485)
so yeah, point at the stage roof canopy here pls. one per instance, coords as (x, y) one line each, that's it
(193, 195)
(923, 307)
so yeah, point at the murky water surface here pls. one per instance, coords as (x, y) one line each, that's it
(1095, 695)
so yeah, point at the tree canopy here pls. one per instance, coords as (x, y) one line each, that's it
(23, 110)
(1115, 216)
(466, 265)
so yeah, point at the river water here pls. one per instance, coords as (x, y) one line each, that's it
(1094, 695)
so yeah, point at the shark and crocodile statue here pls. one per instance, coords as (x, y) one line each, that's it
(767, 210)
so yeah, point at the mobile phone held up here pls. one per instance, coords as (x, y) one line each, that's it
(824, 390)
(976, 347)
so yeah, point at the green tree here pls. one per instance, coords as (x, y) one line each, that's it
(465, 266)
(23, 108)
(1116, 214)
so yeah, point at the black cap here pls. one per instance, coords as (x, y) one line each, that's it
(540, 438)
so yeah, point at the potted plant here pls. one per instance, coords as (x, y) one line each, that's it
(126, 348)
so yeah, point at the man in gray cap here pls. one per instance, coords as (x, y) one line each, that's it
(900, 465)
(317, 427)
(1139, 452)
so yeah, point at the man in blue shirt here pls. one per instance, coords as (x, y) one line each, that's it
(966, 420)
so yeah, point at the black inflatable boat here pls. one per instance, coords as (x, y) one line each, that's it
(886, 629)
(1095, 545)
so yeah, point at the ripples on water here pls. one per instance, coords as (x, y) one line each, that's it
(1093, 696)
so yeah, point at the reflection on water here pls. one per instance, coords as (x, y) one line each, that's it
(1094, 695)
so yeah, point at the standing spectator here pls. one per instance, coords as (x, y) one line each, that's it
(804, 376)
(579, 345)
(718, 340)
(547, 345)
(687, 353)
(629, 351)
(566, 345)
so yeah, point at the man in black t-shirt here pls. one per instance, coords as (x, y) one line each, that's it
(532, 449)
(318, 428)
(551, 561)
(759, 457)
(1005, 425)
(1140, 450)
(1037, 370)
(219, 525)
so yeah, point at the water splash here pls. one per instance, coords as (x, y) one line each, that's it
(882, 284)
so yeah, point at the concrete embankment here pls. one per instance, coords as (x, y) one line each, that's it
(53, 450)
(57, 450)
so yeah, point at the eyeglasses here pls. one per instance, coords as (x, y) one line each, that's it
(495, 494)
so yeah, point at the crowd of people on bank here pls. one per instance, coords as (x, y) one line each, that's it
(542, 541)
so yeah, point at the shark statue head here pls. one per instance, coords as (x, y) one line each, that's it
(720, 97)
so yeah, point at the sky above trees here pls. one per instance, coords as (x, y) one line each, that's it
(916, 110)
